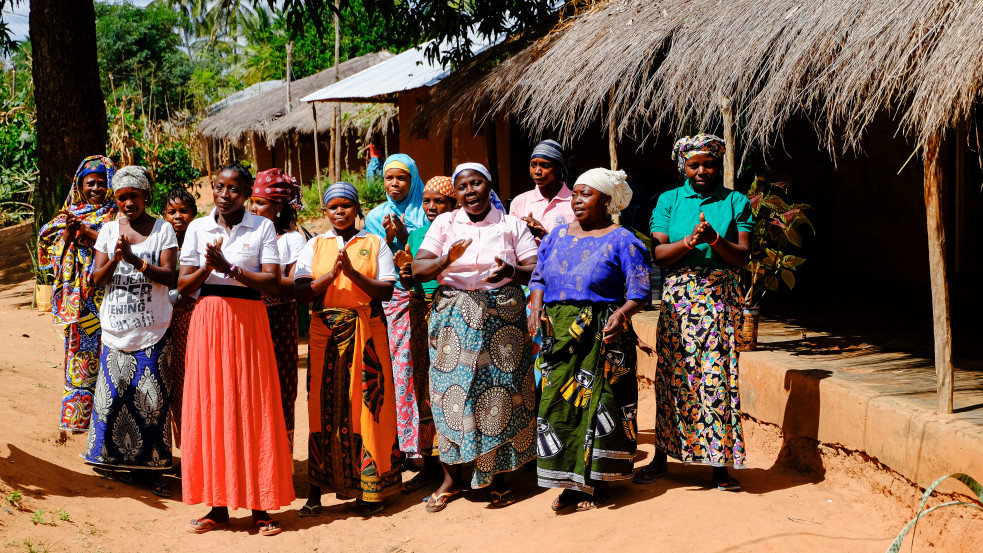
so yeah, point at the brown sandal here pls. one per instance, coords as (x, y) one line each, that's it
(438, 501)
(202, 525)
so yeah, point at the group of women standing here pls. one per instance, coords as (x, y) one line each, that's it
(421, 339)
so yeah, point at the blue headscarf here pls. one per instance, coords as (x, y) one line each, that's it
(550, 150)
(410, 207)
(342, 189)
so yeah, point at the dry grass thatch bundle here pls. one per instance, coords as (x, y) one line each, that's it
(671, 62)
(266, 114)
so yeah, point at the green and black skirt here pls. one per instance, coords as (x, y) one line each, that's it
(587, 431)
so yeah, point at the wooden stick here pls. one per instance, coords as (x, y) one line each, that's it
(317, 156)
(937, 269)
(727, 111)
(612, 139)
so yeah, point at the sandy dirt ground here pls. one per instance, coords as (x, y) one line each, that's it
(841, 501)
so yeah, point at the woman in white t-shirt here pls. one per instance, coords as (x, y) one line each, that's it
(135, 260)
(234, 449)
(276, 197)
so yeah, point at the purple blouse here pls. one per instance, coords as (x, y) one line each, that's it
(609, 269)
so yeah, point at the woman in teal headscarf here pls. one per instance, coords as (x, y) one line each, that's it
(65, 245)
(393, 221)
(402, 212)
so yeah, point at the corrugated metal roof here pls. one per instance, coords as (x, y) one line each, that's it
(381, 82)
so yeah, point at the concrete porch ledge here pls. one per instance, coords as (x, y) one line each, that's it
(844, 392)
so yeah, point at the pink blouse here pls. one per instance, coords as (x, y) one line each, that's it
(497, 235)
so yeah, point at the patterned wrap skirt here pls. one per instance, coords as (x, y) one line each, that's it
(587, 430)
(131, 422)
(482, 387)
(234, 440)
(352, 448)
(698, 418)
(282, 313)
(83, 340)
(407, 411)
(420, 304)
(180, 322)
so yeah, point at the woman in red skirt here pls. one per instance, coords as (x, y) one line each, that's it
(234, 439)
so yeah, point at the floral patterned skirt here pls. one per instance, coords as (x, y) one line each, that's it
(407, 411)
(131, 420)
(698, 417)
(82, 342)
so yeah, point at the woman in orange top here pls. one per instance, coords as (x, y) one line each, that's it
(351, 403)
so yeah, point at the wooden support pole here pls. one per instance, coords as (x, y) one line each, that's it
(337, 77)
(612, 139)
(290, 49)
(937, 269)
(727, 111)
(317, 156)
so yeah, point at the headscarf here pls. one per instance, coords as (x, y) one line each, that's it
(471, 166)
(410, 207)
(609, 182)
(132, 176)
(550, 150)
(690, 146)
(73, 262)
(441, 185)
(342, 189)
(274, 184)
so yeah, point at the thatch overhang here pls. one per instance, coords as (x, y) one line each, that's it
(264, 112)
(365, 119)
(669, 64)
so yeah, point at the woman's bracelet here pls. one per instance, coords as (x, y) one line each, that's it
(686, 243)
(515, 271)
(143, 267)
(439, 265)
(232, 270)
(715, 240)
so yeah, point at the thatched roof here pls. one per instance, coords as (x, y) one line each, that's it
(361, 118)
(256, 114)
(670, 62)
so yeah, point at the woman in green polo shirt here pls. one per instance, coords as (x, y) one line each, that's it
(702, 231)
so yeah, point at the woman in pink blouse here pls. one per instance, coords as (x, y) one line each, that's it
(482, 388)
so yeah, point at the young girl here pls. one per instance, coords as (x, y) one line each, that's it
(179, 210)
(136, 261)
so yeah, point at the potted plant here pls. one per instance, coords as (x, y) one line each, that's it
(777, 223)
(43, 279)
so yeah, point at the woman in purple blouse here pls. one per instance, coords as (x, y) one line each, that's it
(593, 275)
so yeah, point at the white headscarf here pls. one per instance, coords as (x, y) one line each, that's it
(471, 166)
(609, 182)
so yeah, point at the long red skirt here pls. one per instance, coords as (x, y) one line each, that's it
(234, 439)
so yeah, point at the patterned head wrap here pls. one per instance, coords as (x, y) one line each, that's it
(443, 185)
(132, 176)
(550, 150)
(341, 189)
(690, 146)
(274, 184)
(609, 182)
(73, 262)
(410, 207)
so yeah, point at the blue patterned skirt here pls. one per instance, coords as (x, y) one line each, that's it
(482, 387)
(131, 421)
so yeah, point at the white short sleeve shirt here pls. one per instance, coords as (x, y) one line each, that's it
(250, 244)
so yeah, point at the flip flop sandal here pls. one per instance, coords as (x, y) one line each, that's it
(309, 511)
(202, 525)
(649, 474)
(593, 501)
(160, 489)
(268, 527)
(419, 481)
(562, 501)
(437, 502)
(728, 485)
(502, 499)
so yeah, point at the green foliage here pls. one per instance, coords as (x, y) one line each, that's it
(970, 483)
(15, 497)
(777, 232)
(37, 517)
(18, 158)
(139, 56)
(63, 515)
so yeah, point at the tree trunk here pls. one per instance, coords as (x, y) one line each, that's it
(71, 113)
